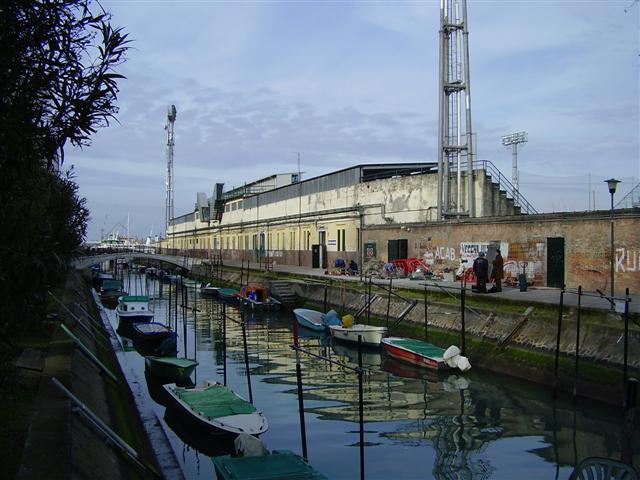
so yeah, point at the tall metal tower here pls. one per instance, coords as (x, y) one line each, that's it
(455, 145)
(171, 118)
(512, 141)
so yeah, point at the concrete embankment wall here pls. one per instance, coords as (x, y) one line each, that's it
(601, 333)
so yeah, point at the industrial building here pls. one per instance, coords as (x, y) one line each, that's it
(389, 211)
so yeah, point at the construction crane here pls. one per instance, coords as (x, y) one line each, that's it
(171, 118)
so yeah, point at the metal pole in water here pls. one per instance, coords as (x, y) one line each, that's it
(361, 407)
(185, 313)
(555, 374)
(224, 343)
(369, 301)
(426, 320)
(246, 355)
(324, 305)
(575, 371)
(303, 431)
(463, 326)
(626, 335)
(389, 300)
(169, 313)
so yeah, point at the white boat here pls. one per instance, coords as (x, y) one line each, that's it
(218, 408)
(134, 308)
(371, 335)
(315, 320)
(209, 290)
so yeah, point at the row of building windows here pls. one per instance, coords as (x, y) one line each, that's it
(266, 241)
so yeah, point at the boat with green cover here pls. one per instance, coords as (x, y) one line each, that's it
(278, 465)
(170, 369)
(425, 354)
(219, 409)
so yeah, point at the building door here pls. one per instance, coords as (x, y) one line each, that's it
(322, 240)
(555, 262)
(397, 249)
(318, 256)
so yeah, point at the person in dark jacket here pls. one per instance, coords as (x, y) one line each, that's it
(497, 274)
(481, 269)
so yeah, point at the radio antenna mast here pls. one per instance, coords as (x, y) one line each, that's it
(171, 118)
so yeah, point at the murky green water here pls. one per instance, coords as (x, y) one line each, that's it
(417, 426)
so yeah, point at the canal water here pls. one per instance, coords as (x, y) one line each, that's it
(475, 425)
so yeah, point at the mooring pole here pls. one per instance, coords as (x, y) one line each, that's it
(463, 332)
(246, 355)
(426, 320)
(361, 407)
(303, 431)
(575, 370)
(324, 304)
(626, 335)
(369, 301)
(170, 313)
(389, 300)
(224, 343)
(555, 374)
(185, 294)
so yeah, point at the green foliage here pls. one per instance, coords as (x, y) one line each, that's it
(57, 85)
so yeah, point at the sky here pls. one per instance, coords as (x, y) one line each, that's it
(259, 84)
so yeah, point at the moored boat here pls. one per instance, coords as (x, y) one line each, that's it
(110, 291)
(425, 354)
(209, 290)
(280, 464)
(134, 308)
(170, 369)
(219, 409)
(315, 320)
(371, 335)
(229, 295)
(256, 297)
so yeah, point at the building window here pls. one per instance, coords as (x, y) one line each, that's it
(342, 235)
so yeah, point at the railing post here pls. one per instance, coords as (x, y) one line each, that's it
(361, 407)
(626, 335)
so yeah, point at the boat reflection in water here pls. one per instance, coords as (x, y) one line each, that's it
(423, 425)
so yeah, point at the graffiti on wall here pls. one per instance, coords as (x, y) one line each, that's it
(627, 260)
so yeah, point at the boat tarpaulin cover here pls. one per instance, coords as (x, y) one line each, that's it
(280, 464)
(423, 348)
(214, 401)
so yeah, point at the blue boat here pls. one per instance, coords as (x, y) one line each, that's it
(315, 320)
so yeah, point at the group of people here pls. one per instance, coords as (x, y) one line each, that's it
(351, 269)
(481, 270)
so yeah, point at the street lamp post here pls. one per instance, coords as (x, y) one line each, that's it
(612, 183)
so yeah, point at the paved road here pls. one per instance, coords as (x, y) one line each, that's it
(532, 294)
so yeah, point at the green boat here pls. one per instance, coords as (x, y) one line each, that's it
(170, 369)
(278, 465)
(218, 409)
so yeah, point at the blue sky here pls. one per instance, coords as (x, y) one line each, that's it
(345, 83)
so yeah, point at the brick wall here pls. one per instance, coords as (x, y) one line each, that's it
(587, 250)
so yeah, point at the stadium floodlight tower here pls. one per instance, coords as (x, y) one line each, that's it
(455, 146)
(512, 141)
(171, 118)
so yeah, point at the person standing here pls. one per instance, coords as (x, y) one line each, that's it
(497, 274)
(481, 269)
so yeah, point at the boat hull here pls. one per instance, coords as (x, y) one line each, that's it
(433, 362)
(252, 423)
(170, 369)
(310, 319)
(371, 335)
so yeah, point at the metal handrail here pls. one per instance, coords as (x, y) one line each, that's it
(487, 165)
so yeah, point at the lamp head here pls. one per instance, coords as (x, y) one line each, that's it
(612, 183)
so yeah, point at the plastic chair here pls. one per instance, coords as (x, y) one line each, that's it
(594, 468)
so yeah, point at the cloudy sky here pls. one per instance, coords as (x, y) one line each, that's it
(342, 83)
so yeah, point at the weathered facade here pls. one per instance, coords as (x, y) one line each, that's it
(384, 212)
